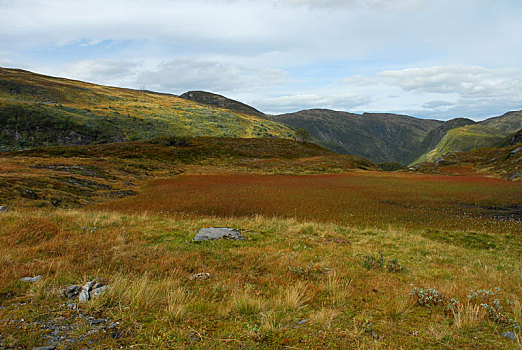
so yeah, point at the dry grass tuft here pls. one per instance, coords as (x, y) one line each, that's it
(337, 288)
(293, 297)
(468, 315)
(324, 317)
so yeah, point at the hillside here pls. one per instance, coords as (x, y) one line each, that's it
(38, 110)
(508, 123)
(219, 101)
(74, 176)
(436, 135)
(505, 162)
(465, 139)
(378, 137)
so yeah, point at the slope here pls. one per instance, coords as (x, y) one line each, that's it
(38, 110)
(465, 139)
(378, 137)
(504, 161)
(508, 123)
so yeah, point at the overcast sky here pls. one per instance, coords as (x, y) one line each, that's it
(427, 58)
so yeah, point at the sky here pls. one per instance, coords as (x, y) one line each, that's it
(427, 58)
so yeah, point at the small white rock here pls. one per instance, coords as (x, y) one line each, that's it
(31, 279)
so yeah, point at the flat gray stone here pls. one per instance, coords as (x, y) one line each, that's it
(510, 335)
(210, 233)
(3, 209)
(31, 279)
(49, 347)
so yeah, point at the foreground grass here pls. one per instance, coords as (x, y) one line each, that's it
(291, 284)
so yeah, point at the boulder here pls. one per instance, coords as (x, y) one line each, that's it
(211, 233)
(86, 291)
(31, 279)
(91, 290)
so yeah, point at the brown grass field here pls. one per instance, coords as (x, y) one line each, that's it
(331, 261)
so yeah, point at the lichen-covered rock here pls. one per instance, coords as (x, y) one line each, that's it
(211, 233)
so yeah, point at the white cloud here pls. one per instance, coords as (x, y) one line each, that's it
(174, 76)
(292, 103)
(466, 81)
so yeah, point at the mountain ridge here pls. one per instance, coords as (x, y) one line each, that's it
(39, 110)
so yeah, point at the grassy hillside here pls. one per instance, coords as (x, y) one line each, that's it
(74, 176)
(465, 139)
(508, 123)
(436, 135)
(378, 137)
(503, 162)
(38, 110)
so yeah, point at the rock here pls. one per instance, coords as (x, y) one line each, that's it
(28, 194)
(49, 347)
(510, 335)
(72, 291)
(86, 290)
(210, 233)
(97, 321)
(515, 151)
(303, 321)
(31, 279)
(200, 276)
(515, 176)
(98, 291)
(3, 209)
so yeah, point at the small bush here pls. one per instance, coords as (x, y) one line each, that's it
(371, 262)
(177, 141)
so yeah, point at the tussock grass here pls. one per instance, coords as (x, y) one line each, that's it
(468, 315)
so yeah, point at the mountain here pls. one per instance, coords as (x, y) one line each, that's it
(379, 137)
(219, 101)
(384, 137)
(38, 110)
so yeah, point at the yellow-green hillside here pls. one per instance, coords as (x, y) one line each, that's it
(38, 110)
(464, 139)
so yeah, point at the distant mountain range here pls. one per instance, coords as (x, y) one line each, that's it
(384, 137)
(38, 110)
